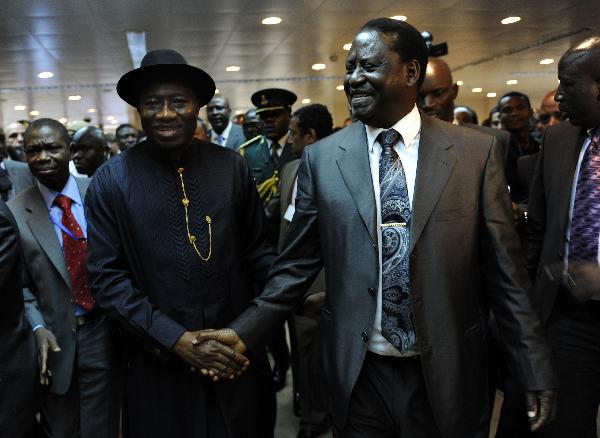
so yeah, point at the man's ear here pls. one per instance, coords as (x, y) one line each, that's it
(413, 71)
(312, 135)
(454, 91)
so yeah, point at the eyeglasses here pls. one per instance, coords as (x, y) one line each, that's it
(559, 115)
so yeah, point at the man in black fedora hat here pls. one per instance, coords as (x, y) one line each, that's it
(175, 230)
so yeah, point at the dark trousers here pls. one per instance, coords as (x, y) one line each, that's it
(91, 406)
(389, 400)
(575, 339)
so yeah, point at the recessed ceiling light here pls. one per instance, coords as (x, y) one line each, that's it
(238, 112)
(45, 75)
(110, 117)
(233, 68)
(510, 20)
(347, 46)
(305, 100)
(459, 83)
(63, 120)
(75, 97)
(271, 20)
(20, 108)
(512, 82)
(340, 88)
(492, 94)
(34, 113)
(477, 90)
(319, 66)
(217, 91)
(92, 110)
(398, 17)
(547, 61)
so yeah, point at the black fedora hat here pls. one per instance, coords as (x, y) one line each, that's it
(164, 64)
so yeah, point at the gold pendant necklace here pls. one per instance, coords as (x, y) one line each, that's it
(186, 203)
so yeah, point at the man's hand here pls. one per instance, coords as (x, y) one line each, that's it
(225, 336)
(311, 308)
(212, 358)
(583, 281)
(45, 340)
(541, 408)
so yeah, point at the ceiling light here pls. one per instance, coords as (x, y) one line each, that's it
(45, 75)
(63, 120)
(217, 91)
(92, 110)
(547, 61)
(34, 113)
(340, 88)
(75, 97)
(233, 68)
(110, 117)
(319, 66)
(491, 94)
(477, 90)
(20, 107)
(512, 82)
(398, 17)
(510, 20)
(459, 83)
(347, 46)
(271, 20)
(305, 100)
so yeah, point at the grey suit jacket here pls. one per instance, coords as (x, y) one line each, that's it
(20, 176)
(48, 294)
(502, 136)
(462, 244)
(236, 137)
(548, 215)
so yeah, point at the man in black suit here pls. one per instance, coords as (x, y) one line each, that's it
(78, 360)
(19, 391)
(563, 236)
(411, 219)
(223, 131)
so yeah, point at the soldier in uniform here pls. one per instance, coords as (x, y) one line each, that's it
(266, 155)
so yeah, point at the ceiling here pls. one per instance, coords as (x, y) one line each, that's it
(83, 42)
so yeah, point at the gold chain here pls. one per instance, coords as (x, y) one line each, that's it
(186, 203)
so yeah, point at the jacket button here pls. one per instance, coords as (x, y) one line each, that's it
(364, 336)
(372, 291)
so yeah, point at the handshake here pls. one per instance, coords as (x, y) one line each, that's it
(217, 354)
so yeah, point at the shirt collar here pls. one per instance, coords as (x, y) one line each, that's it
(408, 126)
(282, 141)
(224, 134)
(70, 190)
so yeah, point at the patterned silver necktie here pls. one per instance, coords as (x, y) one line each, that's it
(396, 315)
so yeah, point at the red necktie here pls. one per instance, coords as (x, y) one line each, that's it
(75, 250)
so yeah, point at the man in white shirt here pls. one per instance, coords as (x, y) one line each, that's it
(223, 132)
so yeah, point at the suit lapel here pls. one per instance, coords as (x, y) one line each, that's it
(570, 142)
(435, 163)
(39, 223)
(353, 163)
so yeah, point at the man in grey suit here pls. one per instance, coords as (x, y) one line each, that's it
(223, 131)
(14, 175)
(75, 348)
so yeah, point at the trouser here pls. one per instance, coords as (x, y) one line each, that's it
(91, 406)
(389, 400)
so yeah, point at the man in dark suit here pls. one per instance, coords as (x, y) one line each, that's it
(411, 219)
(78, 361)
(176, 234)
(223, 132)
(308, 125)
(19, 391)
(14, 175)
(563, 236)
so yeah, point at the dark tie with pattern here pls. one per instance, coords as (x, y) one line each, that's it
(75, 250)
(396, 313)
(585, 222)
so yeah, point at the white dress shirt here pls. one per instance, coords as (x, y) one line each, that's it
(282, 141)
(408, 151)
(220, 138)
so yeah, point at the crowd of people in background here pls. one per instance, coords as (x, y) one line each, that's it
(129, 249)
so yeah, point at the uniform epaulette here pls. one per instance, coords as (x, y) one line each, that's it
(242, 148)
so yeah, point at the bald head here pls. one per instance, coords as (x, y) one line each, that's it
(549, 113)
(438, 92)
(218, 112)
(89, 149)
(578, 94)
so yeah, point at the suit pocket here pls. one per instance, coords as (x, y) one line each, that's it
(451, 214)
